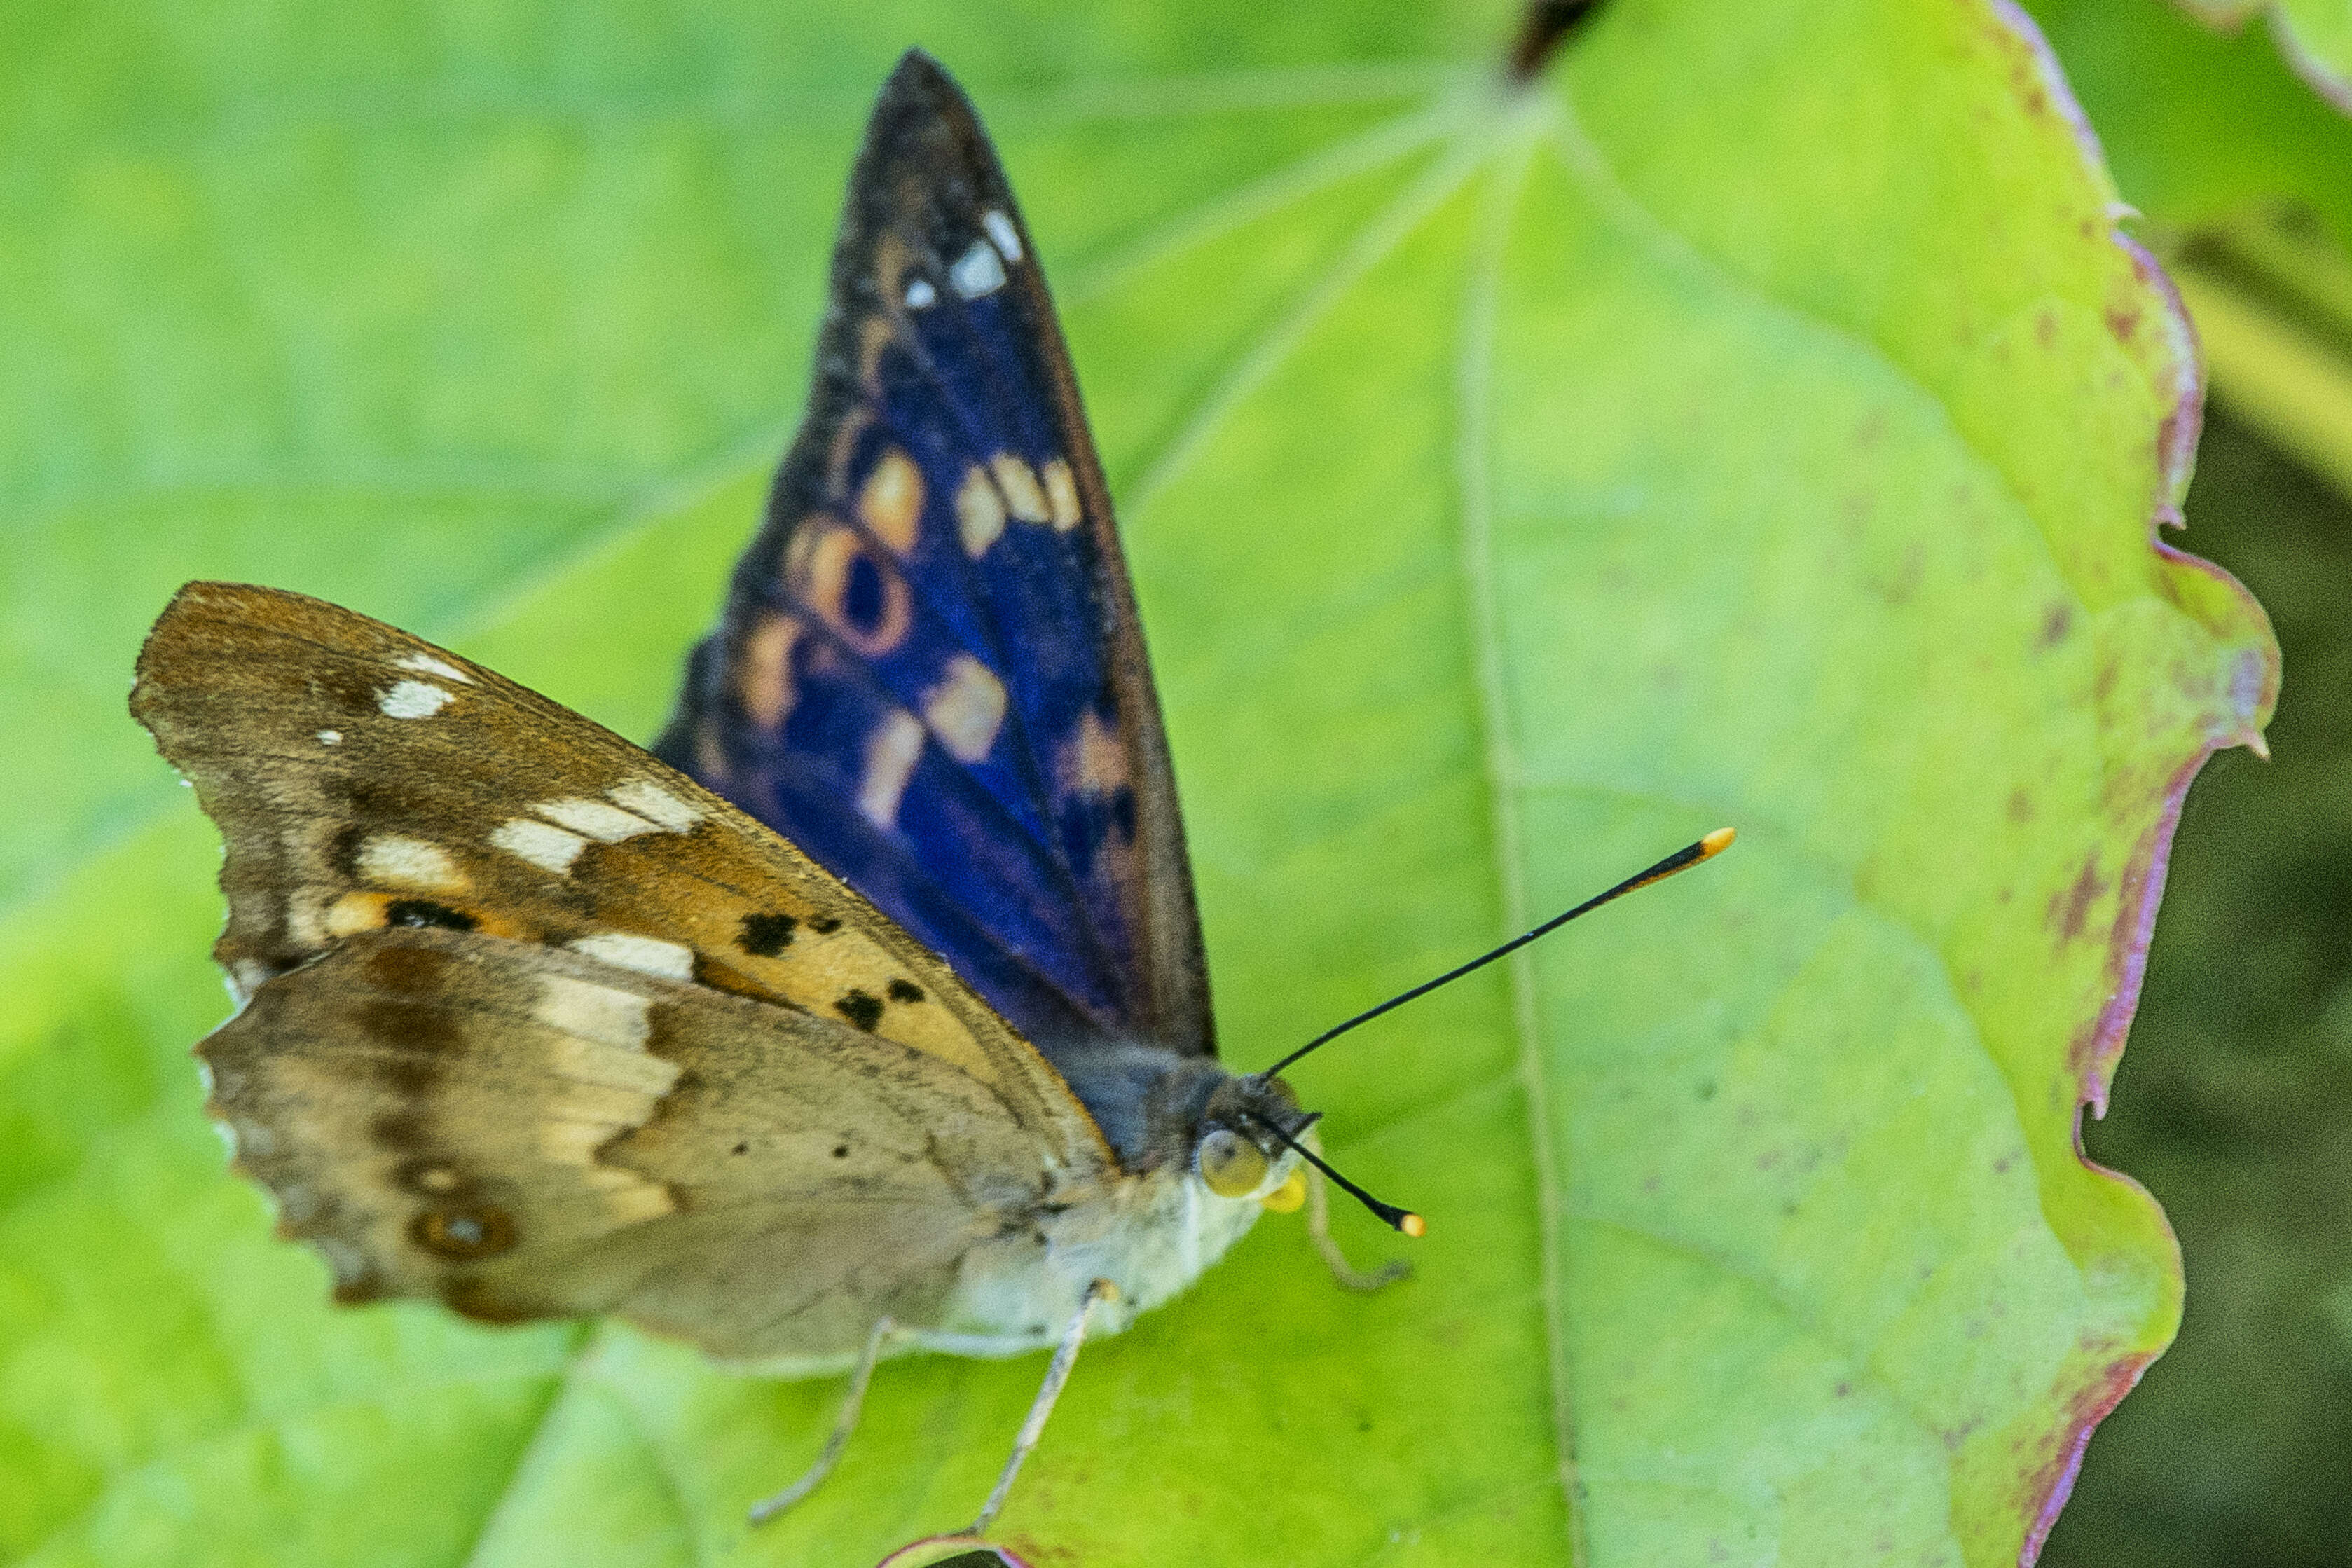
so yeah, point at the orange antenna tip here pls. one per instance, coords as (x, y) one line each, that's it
(1716, 842)
(1413, 1226)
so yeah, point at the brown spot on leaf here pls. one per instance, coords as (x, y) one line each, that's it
(2123, 322)
(2056, 626)
(2071, 908)
(2020, 806)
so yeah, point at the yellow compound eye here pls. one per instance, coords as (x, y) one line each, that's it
(1230, 1163)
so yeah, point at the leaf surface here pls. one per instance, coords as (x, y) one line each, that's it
(1517, 487)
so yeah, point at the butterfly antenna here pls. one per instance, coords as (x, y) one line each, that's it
(1682, 859)
(1403, 1220)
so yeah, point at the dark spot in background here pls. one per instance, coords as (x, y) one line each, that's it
(1545, 26)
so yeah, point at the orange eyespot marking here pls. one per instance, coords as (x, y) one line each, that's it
(1286, 1198)
(1018, 480)
(355, 912)
(891, 501)
(860, 598)
(763, 676)
(463, 1235)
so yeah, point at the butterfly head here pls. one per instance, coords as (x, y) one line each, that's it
(1245, 1147)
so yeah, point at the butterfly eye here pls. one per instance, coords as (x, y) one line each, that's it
(1230, 1163)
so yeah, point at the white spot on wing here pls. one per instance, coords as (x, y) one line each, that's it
(1023, 496)
(1000, 229)
(651, 801)
(246, 977)
(592, 1012)
(979, 514)
(646, 954)
(549, 848)
(595, 819)
(426, 663)
(891, 753)
(1062, 495)
(412, 699)
(410, 863)
(325, 738)
(920, 295)
(966, 708)
(977, 271)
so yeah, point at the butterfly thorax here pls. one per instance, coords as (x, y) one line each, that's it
(1199, 1161)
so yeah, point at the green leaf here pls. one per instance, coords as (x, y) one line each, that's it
(1756, 424)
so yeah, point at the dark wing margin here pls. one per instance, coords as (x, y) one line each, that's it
(931, 673)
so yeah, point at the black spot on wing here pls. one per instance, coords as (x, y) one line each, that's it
(766, 935)
(426, 913)
(904, 990)
(861, 1008)
(824, 925)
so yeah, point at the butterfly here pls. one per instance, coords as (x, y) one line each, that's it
(867, 1012)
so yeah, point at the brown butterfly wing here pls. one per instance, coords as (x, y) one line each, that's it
(524, 1133)
(364, 778)
(420, 855)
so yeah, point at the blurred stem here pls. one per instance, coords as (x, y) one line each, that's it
(2299, 268)
(2273, 370)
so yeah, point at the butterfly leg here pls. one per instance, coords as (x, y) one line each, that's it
(843, 1424)
(1065, 1358)
(1319, 1230)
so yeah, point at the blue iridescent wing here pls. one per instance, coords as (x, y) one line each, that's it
(930, 675)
